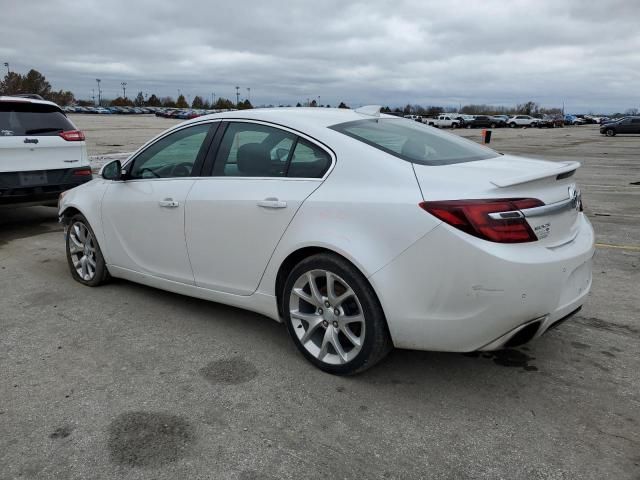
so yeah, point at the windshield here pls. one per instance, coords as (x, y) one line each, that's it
(414, 142)
(25, 118)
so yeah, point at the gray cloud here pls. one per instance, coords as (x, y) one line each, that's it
(392, 52)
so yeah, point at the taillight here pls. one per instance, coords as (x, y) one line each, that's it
(83, 172)
(473, 217)
(72, 135)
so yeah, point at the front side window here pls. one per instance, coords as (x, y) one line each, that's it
(253, 150)
(414, 142)
(171, 156)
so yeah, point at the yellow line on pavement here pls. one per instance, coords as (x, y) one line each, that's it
(635, 248)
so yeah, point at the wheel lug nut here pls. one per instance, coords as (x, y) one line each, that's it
(327, 304)
(336, 312)
(325, 324)
(335, 324)
(319, 311)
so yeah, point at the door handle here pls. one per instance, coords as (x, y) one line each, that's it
(272, 202)
(168, 203)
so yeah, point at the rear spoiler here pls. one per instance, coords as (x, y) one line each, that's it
(564, 168)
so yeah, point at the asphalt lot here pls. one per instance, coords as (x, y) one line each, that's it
(124, 381)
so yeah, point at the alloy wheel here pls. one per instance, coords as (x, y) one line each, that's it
(327, 317)
(82, 248)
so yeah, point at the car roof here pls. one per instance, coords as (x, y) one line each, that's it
(8, 98)
(305, 119)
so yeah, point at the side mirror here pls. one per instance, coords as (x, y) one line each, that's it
(112, 171)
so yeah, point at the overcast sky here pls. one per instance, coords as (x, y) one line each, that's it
(585, 53)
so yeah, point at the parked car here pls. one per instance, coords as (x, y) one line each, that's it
(522, 121)
(443, 121)
(183, 212)
(622, 126)
(503, 118)
(550, 121)
(465, 250)
(483, 121)
(573, 120)
(41, 152)
(463, 118)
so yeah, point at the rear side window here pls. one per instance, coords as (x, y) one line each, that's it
(253, 150)
(31, 119)
(308, 161)
(414, 142)
(256, 150)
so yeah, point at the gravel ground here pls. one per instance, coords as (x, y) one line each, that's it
(128, 382)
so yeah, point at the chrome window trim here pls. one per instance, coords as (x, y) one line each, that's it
(293, 131)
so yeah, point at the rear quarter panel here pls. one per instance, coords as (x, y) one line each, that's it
(366, 210)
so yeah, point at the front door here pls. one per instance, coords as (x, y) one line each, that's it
(143, 215)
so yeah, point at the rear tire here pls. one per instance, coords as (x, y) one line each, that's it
(493, 125)
(84, 256)
(334, 316)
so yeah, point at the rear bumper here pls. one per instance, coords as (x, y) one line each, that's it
(453, 292)
(12, 193)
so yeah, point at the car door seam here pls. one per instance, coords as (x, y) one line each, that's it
(184, 231)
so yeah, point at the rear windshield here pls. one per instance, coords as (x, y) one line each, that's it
(414, 142)
(24, 118)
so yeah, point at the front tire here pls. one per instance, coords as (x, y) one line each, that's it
(512, 125)
(610, 132)
(84, 256)
(333, 315)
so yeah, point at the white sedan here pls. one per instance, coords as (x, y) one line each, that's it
(360, 231)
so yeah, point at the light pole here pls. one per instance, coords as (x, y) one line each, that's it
(249, 94)
(99, 93)
(124, 89)
(213, 99)
(93, 95)
(237, 95)
(6, 64)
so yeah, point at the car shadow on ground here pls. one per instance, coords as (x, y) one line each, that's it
(17, 223)
(408, 369)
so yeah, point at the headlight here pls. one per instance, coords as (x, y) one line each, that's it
(60, 197)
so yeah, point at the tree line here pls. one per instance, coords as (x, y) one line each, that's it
(34, 82)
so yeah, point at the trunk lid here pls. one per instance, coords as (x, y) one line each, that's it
(512, 177)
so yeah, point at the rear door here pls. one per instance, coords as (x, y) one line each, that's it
(236, 217)
(30, 140)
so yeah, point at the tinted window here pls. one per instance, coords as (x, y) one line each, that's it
(414, 142)
(23, 118)
(635, 120)
(171, 156)
(253, 150)
(308, 161)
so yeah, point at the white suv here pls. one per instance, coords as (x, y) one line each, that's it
(523, 121)
(41, 152)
